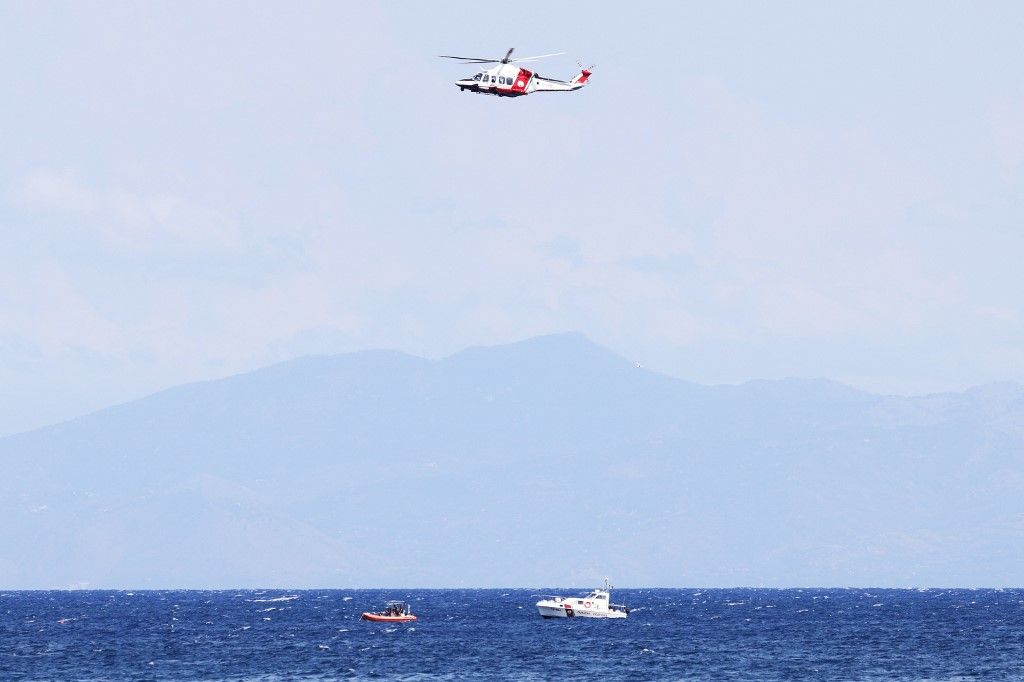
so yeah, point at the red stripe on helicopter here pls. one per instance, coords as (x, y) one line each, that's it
(522, 79)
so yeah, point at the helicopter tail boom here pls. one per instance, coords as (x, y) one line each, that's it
(552, 85)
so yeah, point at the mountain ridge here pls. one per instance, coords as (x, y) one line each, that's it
(1012, 388)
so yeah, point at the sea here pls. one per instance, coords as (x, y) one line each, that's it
(497, 634)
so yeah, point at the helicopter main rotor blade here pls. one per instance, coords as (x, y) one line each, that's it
(539, 56)
(504, 60)
(471, 60)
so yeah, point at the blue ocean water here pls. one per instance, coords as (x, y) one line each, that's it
(679, 634)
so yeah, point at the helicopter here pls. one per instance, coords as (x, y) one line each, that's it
(508, 80)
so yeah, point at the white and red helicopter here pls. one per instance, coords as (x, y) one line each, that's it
(508, 80)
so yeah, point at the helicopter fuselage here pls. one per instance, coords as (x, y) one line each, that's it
(508, 80)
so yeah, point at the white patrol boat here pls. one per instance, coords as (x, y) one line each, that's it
(597, 604)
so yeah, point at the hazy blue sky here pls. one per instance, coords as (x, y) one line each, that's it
(189, 190)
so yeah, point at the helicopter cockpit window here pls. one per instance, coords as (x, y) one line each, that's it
(476, 77)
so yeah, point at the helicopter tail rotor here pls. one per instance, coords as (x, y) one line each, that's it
(584, 74)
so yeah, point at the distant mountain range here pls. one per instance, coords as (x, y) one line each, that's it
(547, 462)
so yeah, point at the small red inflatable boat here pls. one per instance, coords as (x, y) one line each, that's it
(379, 618)
(395, 612)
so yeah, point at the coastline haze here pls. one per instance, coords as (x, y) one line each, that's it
(549, 461)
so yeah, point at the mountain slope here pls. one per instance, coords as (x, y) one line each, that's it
(549, 461)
